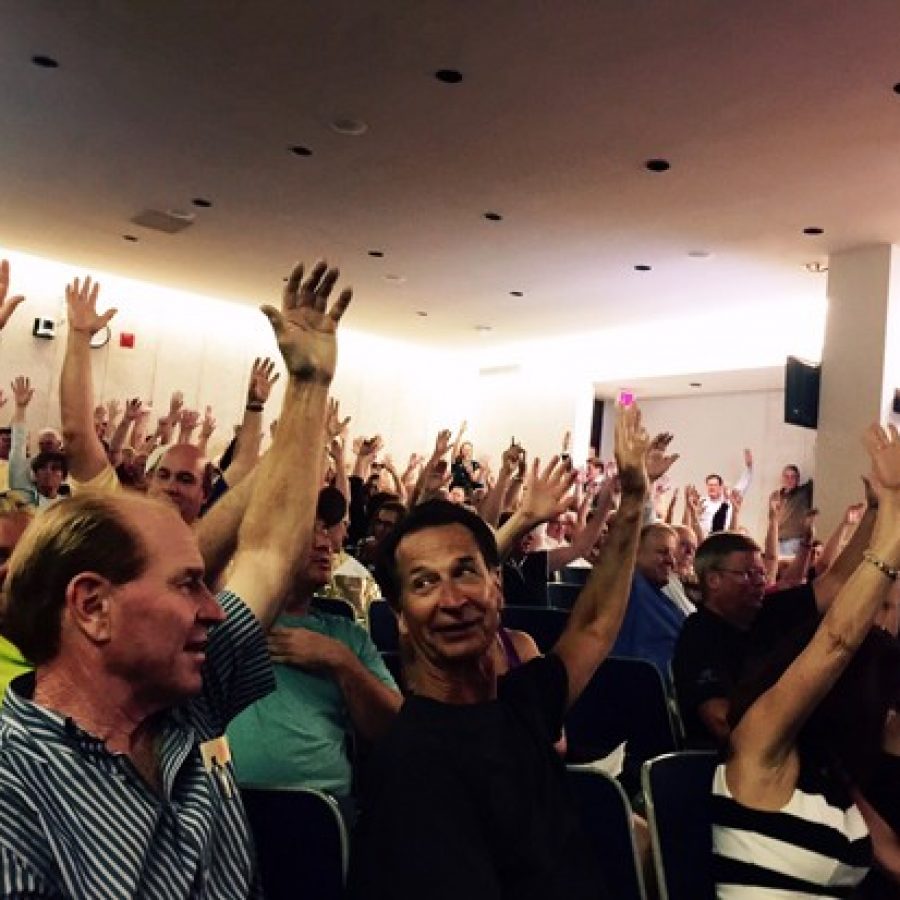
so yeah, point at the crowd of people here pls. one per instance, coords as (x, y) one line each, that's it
(168, 635)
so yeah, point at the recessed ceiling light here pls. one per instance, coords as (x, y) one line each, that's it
(813, 229)
(300, 150)
(695, 384)
(448, 76)
(202, 202)
(699, 254)
(130, 237)
(394, 279)
(897, 88)
(349, 126)
(517, 293)
(493, 217)
(45, 62)
(483, 329)
(658, 165)
(378, 254)
(422, 314)
(643, 268)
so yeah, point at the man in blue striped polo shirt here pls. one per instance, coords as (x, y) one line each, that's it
(115, 776)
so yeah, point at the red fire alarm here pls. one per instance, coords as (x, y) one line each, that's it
(126, 339)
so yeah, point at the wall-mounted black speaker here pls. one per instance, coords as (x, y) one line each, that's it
(801, 392)
(896, 404)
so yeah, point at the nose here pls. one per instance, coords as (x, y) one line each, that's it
(210, 613)
(451, 596)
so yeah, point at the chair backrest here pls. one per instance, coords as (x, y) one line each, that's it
(544, 625)
(383, 626)
(606, 818)
(678, 794)
(301, 842)
(575, 574)
(562, 595)
(625, 701)
(335, 606)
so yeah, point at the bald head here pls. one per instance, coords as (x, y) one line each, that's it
(183, 476)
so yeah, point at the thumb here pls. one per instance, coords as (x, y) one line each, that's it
(276, 320)
(107, 317)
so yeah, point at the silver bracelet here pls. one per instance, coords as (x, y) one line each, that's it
(881, 565)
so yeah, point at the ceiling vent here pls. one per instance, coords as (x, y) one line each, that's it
(169, 222)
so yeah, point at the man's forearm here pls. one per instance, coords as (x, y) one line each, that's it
(277, 528)
(372, 705)
(493, 503)
(85, 452)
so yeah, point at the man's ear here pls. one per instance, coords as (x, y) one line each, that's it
(88, 602)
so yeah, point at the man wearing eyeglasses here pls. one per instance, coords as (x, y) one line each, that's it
(737, 619)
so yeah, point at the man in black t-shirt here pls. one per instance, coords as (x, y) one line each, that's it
(465, 796)
(737, 624)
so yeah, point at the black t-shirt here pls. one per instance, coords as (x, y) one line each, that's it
(711, 654)
(470, 801)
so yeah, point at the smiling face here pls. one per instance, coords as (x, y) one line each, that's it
(158, 623)
(179, 478)
(449, 599)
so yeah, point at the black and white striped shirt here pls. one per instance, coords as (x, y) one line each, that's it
(78, 821)
(817, 845)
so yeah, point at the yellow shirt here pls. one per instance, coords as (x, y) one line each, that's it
(12, 663)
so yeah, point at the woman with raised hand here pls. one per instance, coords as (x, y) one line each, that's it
(808, 726)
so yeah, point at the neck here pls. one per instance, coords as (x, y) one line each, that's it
(300, 600)
(106, 708)
(472, 681)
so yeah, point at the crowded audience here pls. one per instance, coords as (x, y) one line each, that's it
(182, 620)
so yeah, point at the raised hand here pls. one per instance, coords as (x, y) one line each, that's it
(134, 409)
(735, 498)
(208, 426)
(692, 497)
(632, 445)
(305, 331)
(81, 300)
(370, 446)
(748, 457)
(176, 402)
(657, 462)
(113, 410)
(511, 456)
(262, 377)
(547, 492)
(854, 513)
(884, 450)
(442, 442)
(189, 419)
(335, 426)
(22, 391)
(7, 304)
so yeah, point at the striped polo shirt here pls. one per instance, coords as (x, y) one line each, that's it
(818, 845)
(78, 821)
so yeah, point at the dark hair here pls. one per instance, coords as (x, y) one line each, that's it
(87, 533)
(793, 468)
(846, 727)
(431, 514)
(716, 476)
(717, 547)
(48, 458)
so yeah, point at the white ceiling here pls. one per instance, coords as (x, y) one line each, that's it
(774, 115)
(769, 378)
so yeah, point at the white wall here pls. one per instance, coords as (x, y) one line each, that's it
(711, 433)
(204, 347)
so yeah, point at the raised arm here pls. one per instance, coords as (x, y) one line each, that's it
(597, 615)
(19, 479)
(207, 427)
(492, 505)
(336, 434)
(85, 453)
(277, 528)
(764, 765)
(771, 552)
(8, 304)
(133, 410)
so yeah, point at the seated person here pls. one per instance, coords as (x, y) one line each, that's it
(331, 684)
(465, 795)
(789, 809)
(652, 620)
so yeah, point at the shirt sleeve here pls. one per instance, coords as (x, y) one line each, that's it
(743, 483)
(360, 643)
(105, 482)
(19, 880)
(238, 669)
(542, 685)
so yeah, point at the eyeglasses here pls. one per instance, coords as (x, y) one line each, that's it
(746, 574)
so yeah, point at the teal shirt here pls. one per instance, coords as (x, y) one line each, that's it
(297, 736)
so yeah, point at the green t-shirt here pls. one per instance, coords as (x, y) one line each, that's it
(12, 664)
(297, 736)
